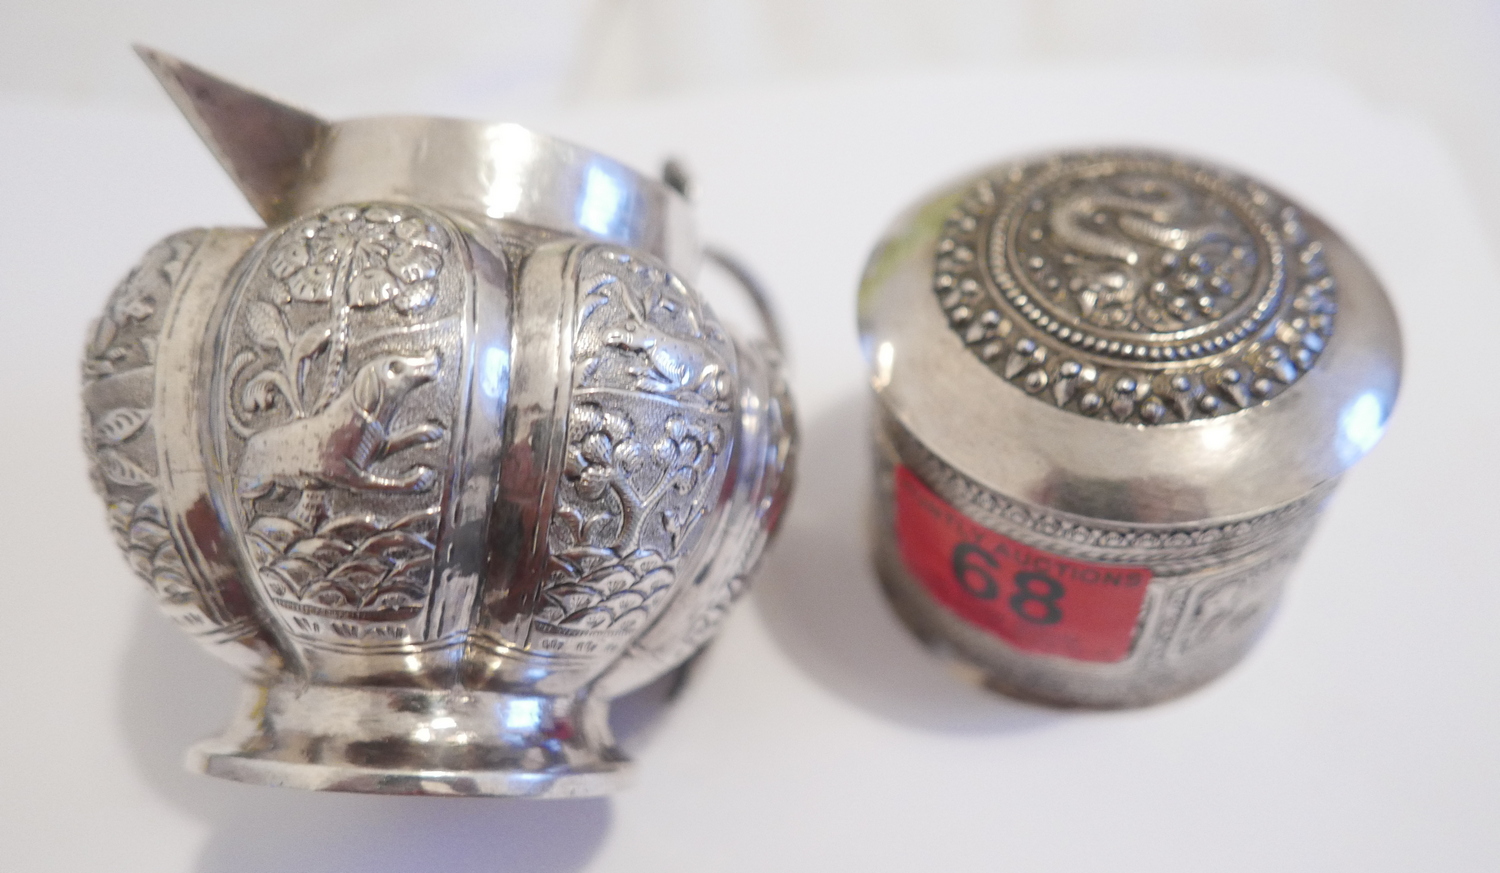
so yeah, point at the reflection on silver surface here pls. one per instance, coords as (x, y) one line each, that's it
(1115, 389)
(443, 460)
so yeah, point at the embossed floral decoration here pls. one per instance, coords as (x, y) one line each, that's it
(623, 482)
(348, 258)
(376, 254)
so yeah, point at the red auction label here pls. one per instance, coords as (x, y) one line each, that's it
(1034, 600)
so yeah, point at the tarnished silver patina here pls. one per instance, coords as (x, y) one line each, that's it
(443, 459)
(1115, 390)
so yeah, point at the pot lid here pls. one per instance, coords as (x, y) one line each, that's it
(1130, 322)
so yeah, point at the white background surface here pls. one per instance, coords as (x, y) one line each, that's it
(1437, 59)
(1360, 734)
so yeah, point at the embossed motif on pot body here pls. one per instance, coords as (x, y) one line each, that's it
(119, 379)
(1135, 287)
(336, 395)
(707, 623)
(650, 420)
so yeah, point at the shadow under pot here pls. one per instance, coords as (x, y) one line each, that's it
(1115, 389)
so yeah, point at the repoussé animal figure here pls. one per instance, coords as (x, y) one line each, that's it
(683, 367)
(335, 447)
(674, 364)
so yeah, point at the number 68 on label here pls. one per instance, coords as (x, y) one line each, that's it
(1034, 600)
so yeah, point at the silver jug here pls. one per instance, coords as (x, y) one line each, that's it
(1116, 389)
(443, 459)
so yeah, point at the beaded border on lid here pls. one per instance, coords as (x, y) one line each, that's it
(1134, 286)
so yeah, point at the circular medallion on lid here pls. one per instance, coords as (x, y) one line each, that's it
(1134, 286)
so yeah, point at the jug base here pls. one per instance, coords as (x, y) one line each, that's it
(448, 742)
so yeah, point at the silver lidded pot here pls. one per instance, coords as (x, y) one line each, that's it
(443, 459)
(1115, 390)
